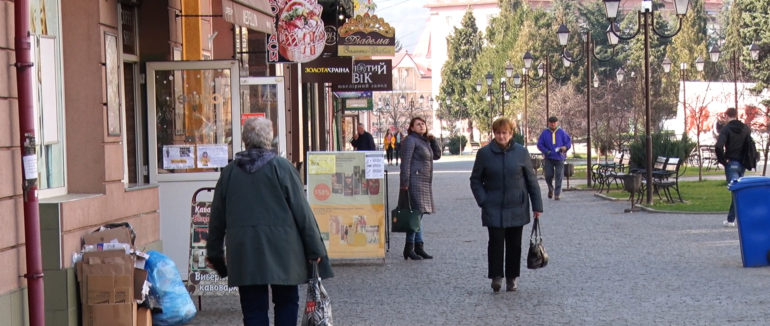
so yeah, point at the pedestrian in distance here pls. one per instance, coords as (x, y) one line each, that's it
(418, 151)
(554, 143)
(505, 186)
(730, 153)
(390, 145)
(397, 154)
(260, 212)
(363, 140)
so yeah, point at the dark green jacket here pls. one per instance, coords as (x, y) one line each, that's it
(504, 183)
(260, 211)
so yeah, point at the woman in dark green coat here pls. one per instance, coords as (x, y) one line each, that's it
(260, 211)
(504, 184)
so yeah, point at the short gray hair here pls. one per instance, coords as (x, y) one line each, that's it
(257, 132)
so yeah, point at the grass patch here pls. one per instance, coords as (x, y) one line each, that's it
(699, 196)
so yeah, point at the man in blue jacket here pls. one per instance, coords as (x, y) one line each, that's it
(554, 143)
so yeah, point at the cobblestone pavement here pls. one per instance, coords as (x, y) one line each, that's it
(607, 268)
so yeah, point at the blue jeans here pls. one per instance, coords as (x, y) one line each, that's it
(554, 168)
(255, 305)
(733, 170)
(415, 236)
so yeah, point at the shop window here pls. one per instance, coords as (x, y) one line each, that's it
(49, 125)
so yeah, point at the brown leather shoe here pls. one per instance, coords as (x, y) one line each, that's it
(550, 194)
(497, 283)
(556, 197)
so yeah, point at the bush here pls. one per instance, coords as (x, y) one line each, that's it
(663, 144)
(457, 144)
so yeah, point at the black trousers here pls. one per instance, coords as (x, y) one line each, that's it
(504, 245)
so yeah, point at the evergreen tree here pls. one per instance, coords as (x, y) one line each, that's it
(464, 47)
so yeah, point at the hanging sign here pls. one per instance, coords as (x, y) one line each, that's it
(370, 75)
(335, 70)
(366, 35)
(300, 35)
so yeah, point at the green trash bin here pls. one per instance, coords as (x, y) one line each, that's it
(752, 211)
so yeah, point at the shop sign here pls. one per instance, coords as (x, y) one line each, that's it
(299, 31)
(252, 14)
(366, 35)
(358, 104)
(335, 70)
(371, 75)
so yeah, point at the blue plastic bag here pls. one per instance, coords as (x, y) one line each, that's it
(170, 292)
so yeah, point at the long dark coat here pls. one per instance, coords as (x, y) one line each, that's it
(261, 212)
(504, 183)
(417, 155)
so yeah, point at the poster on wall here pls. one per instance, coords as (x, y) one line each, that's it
(300, 35)
(178, 157)
(346, 194)
(212, 156)
(203, 280)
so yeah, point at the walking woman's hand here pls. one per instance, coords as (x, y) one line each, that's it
(537, 214)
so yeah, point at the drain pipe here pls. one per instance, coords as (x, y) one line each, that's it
(34, 275)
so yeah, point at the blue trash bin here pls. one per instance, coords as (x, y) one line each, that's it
(752, 210)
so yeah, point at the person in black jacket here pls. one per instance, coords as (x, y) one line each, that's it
(730, 152)
(505, 186)
(363, 140)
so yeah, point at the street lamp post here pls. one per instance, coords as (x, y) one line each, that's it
(504, 95)
(645, 18)
(588, 52)
(714, 55)
(683, 73)
(524, 81)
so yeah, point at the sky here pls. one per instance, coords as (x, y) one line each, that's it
(408, 17)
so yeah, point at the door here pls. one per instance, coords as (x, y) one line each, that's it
(264, 96)
(194, 128)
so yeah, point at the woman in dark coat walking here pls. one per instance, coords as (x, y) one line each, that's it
(418, 150)
(260, 211)
(504, 184)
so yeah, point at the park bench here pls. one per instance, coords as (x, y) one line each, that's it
(600, 171)
(668, 178)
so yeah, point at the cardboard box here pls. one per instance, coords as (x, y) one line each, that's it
(123, 314)
(143, 317)
(121, 235)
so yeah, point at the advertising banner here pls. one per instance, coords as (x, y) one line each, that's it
(369, 75)
(335, 70)
(300, 35)
(203, 280)
(346, 191)
(366, 35)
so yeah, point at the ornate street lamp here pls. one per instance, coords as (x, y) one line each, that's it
(714, 54)
(646, 19)
(589, 47)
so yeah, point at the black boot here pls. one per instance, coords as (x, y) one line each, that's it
(418, 249)
(409, 252)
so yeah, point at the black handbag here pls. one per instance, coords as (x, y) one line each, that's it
(404, 218)
(537, 257)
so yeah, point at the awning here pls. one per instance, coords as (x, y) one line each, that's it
(252, 14)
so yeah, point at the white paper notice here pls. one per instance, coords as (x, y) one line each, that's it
(375, 165)
(30, 167)
(212, 156)
(178, 157)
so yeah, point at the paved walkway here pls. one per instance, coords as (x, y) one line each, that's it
(607, 268)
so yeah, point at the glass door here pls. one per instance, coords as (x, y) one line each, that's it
(264, 97)
(192, 107)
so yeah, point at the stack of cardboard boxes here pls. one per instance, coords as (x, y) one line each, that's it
(112, 279)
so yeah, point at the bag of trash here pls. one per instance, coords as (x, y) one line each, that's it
(167, 288)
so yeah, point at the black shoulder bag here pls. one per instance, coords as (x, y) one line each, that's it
(537, 257)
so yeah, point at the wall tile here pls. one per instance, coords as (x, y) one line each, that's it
(11, 221)
(9, 123)
(4, 40)
(10, 172)
(5, 73)
(113, 162)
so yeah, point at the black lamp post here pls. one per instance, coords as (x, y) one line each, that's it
(683, 66)
(504, 95)
(525, 80)
(714, 55)
(588, 52)
(646, 18)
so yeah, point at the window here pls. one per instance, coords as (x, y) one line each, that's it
(134, 137)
